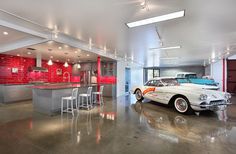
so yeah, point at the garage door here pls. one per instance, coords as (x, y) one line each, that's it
(231, 76)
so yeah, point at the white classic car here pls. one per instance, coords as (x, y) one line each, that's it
(185, 99)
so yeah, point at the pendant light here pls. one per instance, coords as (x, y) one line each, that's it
(50, 62)
(66, 64)
(78, 66)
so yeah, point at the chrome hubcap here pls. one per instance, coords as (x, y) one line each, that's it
(181, 105)
(138, 95)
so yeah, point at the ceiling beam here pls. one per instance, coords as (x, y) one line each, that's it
(73, 42)
(21, 44)
(20, 24)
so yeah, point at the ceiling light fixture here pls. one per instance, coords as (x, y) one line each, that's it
(144, 5)
(66, 64)
(29, 53)
(167, 48)
(5, 33)
(78, 66)
(76, 51)
(156, 19)
(50, 62)
(87, 55)
(169, 58)
(18, 55)
(59, 48)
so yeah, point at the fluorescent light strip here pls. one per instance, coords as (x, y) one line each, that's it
(156, 19)
(169, 58)
(167, 48)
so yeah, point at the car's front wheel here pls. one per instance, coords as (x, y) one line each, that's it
(139, 95)
(182, 105)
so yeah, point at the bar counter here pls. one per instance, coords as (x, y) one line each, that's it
(47, 98)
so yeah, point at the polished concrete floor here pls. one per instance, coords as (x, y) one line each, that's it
(122, 126)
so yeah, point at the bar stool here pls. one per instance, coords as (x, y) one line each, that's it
(70, 102)
(99, 94)
(88, 97)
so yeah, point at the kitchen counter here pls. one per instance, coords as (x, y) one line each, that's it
(61, 86)
(47, 98)
(10, 93)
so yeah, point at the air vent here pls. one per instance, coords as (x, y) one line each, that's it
(30, 49)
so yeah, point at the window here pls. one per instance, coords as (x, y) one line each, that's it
(150, 73)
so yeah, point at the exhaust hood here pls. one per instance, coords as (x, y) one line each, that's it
(38, 67)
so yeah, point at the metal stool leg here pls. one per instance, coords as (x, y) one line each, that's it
(61, 106)
(72, 106)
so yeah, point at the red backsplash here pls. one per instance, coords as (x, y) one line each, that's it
(108, 79)
(24, 76)
(8, 62)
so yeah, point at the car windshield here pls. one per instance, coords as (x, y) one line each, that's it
(191, 76)
(170, 82)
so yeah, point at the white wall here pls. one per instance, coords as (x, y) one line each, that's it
(120, 87)
(136, 76)
(208, 70)
(217, 72)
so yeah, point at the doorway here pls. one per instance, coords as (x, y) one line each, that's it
(231, 76)
(127, 80)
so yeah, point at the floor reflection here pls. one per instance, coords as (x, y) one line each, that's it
(173, 126)
(120, 126)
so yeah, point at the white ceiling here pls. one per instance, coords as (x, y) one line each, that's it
(13, 35)
(50, 50)
(209, 26)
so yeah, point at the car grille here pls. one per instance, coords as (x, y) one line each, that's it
(217, 102)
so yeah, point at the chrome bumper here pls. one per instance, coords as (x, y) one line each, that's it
(214, 106)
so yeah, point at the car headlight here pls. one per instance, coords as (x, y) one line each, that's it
(203, 97)
(227, 95)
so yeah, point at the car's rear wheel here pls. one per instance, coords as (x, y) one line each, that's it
(182, 105)
(139, 95)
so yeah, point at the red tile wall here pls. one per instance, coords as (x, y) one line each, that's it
(108, 79)
(8, 62)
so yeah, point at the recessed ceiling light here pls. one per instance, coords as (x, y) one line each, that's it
(87, 55)
(156, 19)
(57, 60)
(59, 48)
(29, 53)
(18, 55)
(76, 51)
(166, 48)
(143, 3)
(5, 33)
